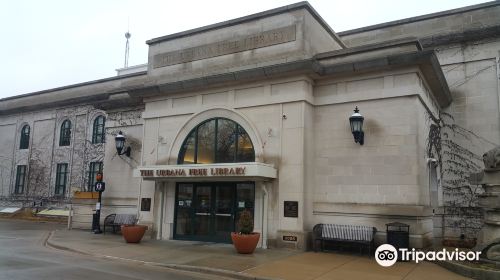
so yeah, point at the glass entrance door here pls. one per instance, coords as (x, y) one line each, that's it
(224, 212)
(208, 211)
(202, 210)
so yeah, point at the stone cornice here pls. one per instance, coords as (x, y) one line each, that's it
(419, 18)
(400, 53)
(461, 37)
(370, 58)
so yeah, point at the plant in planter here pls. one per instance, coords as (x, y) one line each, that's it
(133, 233)
(245, 240)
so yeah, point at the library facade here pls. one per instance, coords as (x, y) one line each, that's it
(276, 114)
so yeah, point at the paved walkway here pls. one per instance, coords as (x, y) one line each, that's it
(272, 263)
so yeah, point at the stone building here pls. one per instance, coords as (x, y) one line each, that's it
(53, 144)
(253, 114)
(47, 154)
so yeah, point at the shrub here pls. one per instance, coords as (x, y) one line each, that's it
(246, 222)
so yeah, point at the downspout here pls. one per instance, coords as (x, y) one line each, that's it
(162, 205)
(430, 163)
(264, 215)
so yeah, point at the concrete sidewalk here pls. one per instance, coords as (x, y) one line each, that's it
(222, 259)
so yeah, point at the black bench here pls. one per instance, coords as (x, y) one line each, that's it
(115, 221)
(362, 235)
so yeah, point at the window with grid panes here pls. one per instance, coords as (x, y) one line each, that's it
(61, 179)
(20, 179)
(98, 130)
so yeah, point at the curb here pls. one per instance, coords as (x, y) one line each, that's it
(180, 267)
(471, 272)
(48, 243)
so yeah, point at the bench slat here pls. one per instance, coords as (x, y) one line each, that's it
(343, 233)
(125, 219)
(347, 232)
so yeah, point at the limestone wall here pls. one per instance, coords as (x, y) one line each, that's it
(303, 129)
(470, 126)
(122, 189)
(385, 180)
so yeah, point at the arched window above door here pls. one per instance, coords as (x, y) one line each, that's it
(217, 140)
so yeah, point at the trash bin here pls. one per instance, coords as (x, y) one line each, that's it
(95, 222)
(398, 235)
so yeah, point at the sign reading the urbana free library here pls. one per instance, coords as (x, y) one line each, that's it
(248, 170)
(245, 43)
(194, 172)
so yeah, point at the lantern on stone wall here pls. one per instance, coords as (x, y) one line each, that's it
(356, 121)
(120, 144)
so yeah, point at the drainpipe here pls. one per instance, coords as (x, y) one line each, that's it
(264, 215)
(430, 165)
(162, 205)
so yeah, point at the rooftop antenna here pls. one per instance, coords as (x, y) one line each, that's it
(127, 36)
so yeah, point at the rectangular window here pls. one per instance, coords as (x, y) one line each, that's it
(61, 179)
(20, 179)
(95, 167)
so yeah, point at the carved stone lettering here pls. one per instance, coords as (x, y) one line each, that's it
(147, 173)
(264, 39)
(290, 238)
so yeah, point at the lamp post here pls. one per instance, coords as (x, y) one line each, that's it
(356, 121)
(99, 187)
(120, 144)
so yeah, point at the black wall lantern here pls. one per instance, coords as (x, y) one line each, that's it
(356, 121)
(120, 144)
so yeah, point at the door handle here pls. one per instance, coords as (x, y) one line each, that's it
(223, 215)
(202, 214)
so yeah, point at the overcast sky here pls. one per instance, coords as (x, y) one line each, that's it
(49, 43)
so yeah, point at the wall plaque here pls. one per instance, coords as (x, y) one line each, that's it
(145, 204)
(291, 209)
(244, 43)
(291, 238)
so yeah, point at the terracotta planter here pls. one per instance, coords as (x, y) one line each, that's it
(245, 243)
(133, 233)
(460, 243)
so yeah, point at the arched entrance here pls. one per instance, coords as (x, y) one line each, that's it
(209, 211)
(213, 172)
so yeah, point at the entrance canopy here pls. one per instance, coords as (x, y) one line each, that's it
(242, 171)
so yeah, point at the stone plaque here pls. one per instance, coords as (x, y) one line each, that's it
(291, 238)
(254, 41)
(145, 204)
(291, 209)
